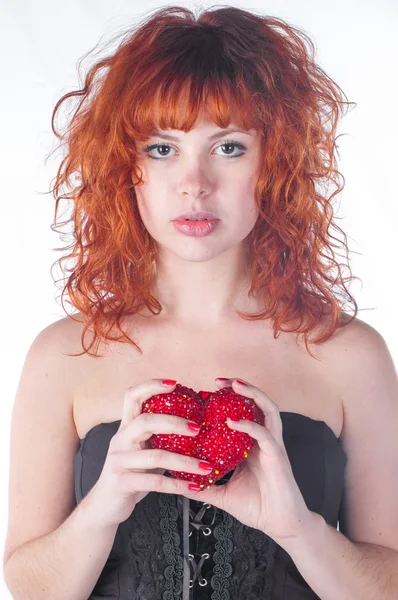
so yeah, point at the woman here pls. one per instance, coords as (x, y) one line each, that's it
(228, 114)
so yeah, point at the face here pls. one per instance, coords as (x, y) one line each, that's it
(201, 170)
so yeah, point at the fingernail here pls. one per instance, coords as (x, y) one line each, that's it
(234, 419)
(240, 382)
(195, 487)
(193, 426)
(169, 382)
(222, 378)
(205, 466)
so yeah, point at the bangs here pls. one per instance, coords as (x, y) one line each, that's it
(182, 104)
(188, 84)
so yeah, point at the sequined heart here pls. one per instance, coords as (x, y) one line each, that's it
(216, 443)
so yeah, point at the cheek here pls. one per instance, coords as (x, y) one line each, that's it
(143, 203)
(244, 178)
(248, 207)
(152, 209)
(251, 213)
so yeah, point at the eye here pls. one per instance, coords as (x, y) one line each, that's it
(162, 148)
(230, 143)
(148, 149)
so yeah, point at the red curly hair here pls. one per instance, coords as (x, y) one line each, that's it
(253, 70)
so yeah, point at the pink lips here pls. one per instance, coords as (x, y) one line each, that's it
(196, 228)
(197, 215)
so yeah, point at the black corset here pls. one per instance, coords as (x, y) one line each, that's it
(193, 523)
(207, 549)
(175, 548)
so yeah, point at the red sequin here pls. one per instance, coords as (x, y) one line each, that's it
(216, 443)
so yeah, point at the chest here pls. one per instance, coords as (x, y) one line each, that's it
(280, 367)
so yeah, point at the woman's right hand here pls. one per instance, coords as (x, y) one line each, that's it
(131, 468)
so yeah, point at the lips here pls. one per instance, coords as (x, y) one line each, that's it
(188, 220)
(196, 228)
(197, 216)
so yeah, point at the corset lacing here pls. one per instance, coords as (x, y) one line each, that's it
(194, 521)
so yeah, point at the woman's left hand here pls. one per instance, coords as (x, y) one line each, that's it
(262, 493)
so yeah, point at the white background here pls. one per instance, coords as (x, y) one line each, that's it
(42, 42)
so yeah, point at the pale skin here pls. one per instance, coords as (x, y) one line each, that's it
(210, 269)
(355, 375)
(263, 494)
(198, 174)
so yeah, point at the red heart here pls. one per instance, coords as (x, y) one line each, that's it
(223, 447)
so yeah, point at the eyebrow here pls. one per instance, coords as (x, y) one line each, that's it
(167, 136)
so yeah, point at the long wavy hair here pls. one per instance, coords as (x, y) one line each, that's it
(256, 70)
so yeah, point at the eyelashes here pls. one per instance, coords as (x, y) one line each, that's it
(148, 149)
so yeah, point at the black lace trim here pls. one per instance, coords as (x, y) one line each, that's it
(222, 556)
(171, 548)
(256, 555)
(243, 557)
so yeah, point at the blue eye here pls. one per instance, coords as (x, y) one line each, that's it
(148, 149)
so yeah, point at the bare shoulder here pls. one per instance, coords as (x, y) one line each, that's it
(56, 343)
(65, 332)
(358, 360)
(364, 362)
(354, 345)
(364, 371)
(43, 438)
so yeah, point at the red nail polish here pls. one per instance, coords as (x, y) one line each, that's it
(240, 382)
(169, 382)
(222, 378)
(194, 487)
(205, 466)
(193, 426)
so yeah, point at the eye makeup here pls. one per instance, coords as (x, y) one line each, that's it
(238, 145)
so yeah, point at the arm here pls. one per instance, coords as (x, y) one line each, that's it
(53, 549)
(336, 568)
(362, 564)
(64, 564)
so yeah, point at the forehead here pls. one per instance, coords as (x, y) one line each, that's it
(210, 132)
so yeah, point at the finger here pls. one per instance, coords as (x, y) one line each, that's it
(146, 424)
(136, 395)
(156, 458)
(153, 482)
(267, 442)
(223, 382)
(213, 494)
(270, 410)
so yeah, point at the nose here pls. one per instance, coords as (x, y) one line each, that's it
(195, 192)
(194, 182)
